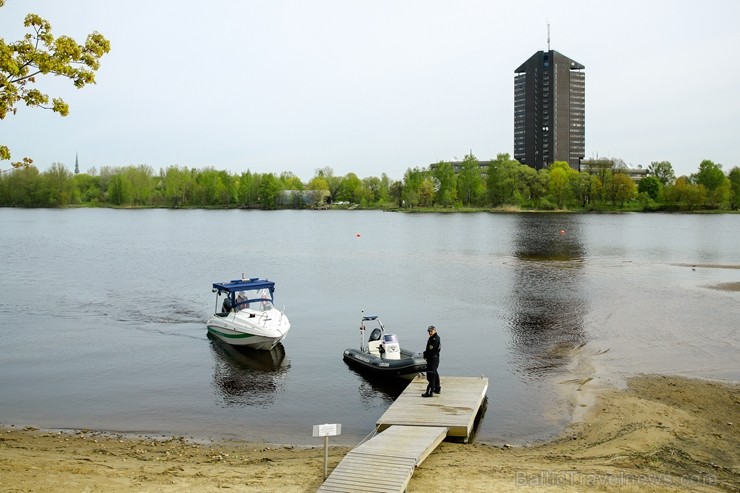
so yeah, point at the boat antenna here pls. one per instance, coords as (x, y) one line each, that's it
(548, 35)
(362, 332)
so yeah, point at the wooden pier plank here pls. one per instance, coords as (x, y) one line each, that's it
(455, 408)
(415, 442)
(353, 476)
(386, 462)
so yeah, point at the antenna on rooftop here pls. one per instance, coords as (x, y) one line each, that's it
(548, 35)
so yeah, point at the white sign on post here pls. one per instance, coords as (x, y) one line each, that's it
(326, 431)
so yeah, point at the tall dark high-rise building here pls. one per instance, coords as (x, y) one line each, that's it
(549, 110)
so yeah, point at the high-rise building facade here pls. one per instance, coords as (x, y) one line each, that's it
(549, 110)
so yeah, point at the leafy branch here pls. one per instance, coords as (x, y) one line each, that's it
(39, 53)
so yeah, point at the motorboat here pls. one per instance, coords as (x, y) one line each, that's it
(381, 354)
(247, 315)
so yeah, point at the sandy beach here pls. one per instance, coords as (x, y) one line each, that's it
(659, 434)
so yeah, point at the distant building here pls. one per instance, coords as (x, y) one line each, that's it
(549, 111)
(457, 166)
(599, 166)
(303, 198)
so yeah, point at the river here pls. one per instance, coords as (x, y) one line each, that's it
(103, 313)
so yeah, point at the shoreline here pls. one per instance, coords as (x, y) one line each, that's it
(665, 433)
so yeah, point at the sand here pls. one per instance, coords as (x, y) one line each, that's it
(659, 434)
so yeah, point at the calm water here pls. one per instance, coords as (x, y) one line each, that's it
(103, 313)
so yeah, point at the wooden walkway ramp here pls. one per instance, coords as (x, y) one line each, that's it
(409, 431)
(386, 462)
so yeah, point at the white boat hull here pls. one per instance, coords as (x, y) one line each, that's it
(258, 330)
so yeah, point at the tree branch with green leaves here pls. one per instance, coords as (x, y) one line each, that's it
(41, 54)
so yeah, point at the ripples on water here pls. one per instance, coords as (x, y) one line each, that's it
(546, 304)
(113, 337)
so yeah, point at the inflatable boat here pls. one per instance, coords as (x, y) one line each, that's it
(381, 354)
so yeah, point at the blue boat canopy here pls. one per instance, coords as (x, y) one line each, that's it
(238, 285)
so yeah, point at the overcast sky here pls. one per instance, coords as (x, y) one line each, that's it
(377, 86)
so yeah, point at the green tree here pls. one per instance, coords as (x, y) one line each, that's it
(371, 188)
(21, 187)
(583, 185)
(444, 175)
(142, 185)
(86, 189)
(685, 195)
(396, 192)
(469, 181)
(384, 194)
(249, 189)
(734, 177)
(39, 53)
(120, 190)
(711, 176)
(539, 185)
(350, 188)
(327, 173)
(426, 192)
(177, 186)
(503, 179)
(216, 188)
(412, 181)
(290, 181)
(57, 186)
(560, 187)
(602, 168)
(107, 173)
(525, 179)
(269, 191)
(650, 185)
(663, 171)
(319, 189)
(625, 188)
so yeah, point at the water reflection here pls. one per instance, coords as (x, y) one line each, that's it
(245, 376)
(548, 302)
(374, 388)
(544, 237)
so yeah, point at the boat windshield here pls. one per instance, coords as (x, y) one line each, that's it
(264, 299)
(258, 301)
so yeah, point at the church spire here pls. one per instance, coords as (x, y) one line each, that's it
(77, 165)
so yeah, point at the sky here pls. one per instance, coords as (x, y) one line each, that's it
(376, 86)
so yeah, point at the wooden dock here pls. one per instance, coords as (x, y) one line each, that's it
(408, 432)
(455, 408)
(386, 462)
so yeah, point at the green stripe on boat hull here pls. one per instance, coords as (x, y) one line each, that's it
(229, 336)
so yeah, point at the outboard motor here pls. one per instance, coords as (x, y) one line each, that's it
(391, 346)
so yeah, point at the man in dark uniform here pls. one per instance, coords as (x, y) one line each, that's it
(431, 354)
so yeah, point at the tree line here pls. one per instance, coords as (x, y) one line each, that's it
(502, 183)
